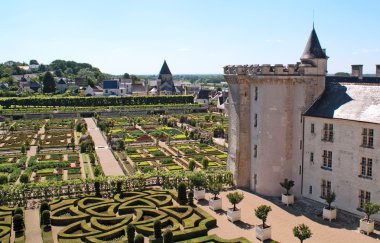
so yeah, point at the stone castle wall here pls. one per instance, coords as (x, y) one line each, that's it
(281, 99)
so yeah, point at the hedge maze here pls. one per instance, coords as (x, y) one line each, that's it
(93, 219)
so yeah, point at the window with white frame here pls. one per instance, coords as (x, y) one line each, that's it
(327, 159)
(364, 197)
(366, 167)
(367, 139)
(325, 188)
(328, 132)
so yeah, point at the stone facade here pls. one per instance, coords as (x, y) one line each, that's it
(345, 172)
(266, 104)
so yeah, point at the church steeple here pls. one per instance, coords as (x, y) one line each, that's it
(313, 48)
(164, 70)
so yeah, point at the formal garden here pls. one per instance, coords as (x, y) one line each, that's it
(11, 166)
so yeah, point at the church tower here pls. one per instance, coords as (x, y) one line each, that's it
(165, 84)
(266, 104)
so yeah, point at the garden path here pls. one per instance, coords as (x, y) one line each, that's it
(282, 223)
(32, 223)
(107, 161)
(82, 171)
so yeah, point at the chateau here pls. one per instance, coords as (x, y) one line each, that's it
(299, 123)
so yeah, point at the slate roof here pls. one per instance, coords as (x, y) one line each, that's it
(110, 84)
(138, 88)
(203, 94)
(61, 81)
(349, 98)
(164, 69)
(34, 84)
(313, 48)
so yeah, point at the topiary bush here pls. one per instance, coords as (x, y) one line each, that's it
(182, 198)
(157, 229)
(191, 165)
(168, 236)
(18, 223)
(205, 163)
(24, 178)
(97, 189)
(45, 220)
(19, 210)
(139, 239)
(191, 198)
(131, 230)
(3, 179)
(44, 206)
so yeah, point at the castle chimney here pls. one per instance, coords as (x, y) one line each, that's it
(378, 70)
(357, 71)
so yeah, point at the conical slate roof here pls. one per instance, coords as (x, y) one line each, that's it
(165, 69)
(313, 48)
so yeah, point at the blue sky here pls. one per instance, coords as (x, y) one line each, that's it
(194, 36)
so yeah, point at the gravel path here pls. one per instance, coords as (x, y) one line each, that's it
(32, 223)
(109, 164)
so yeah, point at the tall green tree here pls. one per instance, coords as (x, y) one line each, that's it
(49, 83)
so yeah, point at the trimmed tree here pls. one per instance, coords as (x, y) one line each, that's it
(190, 196)
(302, 232)
(139, 239)
(370, 209)
(48, 83)
(131, 230)
(18, 224)
(168, 236)
(215, 188)
(44, 206)
(19, 210)
(262, 212)
(45, 220)
(182, 199)
(97, 189)
(205, 163)
(235, 198)
(191, 165)
(157, 229)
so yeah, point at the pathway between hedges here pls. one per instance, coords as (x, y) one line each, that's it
(108, 162)
(32, 223)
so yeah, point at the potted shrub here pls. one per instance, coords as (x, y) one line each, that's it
(287, 198)
(215, 203)
(263, 231)
(302, 232)
(234, 214)
(329, 212)
(367, 225)
(198, 181)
